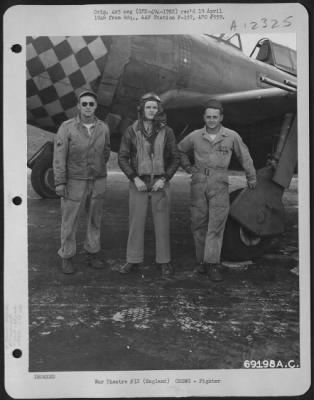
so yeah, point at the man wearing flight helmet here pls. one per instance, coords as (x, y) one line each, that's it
(81, 152)
(212, 146)
(149, 158)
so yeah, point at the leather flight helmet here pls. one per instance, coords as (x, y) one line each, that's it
(150, 96)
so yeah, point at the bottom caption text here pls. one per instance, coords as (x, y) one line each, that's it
(152, 381)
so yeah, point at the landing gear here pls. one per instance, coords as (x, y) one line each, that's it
(261, 210)
(42, 172)
(239, 244)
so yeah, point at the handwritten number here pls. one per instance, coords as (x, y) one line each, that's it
(287, 21)
(254, 25)
(265, 22)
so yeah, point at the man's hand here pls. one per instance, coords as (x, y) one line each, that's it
(158, 185)
(140, 185)
(192, 170)
(60, 190)
(251, 184)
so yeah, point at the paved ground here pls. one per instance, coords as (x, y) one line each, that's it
(100, 320)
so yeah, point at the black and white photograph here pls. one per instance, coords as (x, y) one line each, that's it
(162, 214)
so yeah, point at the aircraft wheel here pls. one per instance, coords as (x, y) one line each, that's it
(42, 178)
(239, 244)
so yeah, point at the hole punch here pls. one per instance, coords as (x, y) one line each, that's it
(17, 353)
(16, 48)
(17, 200)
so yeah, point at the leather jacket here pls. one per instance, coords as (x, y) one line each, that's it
(127, 157)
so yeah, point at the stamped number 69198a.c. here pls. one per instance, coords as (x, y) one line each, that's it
(269, 364)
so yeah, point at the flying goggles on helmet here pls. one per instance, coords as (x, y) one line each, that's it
(150, 96)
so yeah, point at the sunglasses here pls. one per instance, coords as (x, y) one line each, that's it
(88, 103)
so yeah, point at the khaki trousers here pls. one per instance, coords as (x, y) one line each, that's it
(79, 194)
(209, 213)
(138, 206)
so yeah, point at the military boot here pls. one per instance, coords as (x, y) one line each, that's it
(67, 266)
(167, 271)
(94, 262)
(127, 268)
(201, 268)
(214, 273)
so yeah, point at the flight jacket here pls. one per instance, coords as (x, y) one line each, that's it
(78, 155)
(128, 160)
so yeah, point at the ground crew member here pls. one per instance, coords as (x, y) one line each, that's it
(81, 152)
(212, 146)
(149, 157)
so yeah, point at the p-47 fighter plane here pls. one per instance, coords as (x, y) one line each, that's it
(258, 94)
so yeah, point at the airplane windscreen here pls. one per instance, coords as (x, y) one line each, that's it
(285, 58)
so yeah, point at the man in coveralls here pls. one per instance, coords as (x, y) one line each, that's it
(81, 152)
(212, 146)
(149, 157)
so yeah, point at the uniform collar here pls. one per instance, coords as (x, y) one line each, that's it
(79, 121)
(221, 131)
(136, 127)
(220, 134)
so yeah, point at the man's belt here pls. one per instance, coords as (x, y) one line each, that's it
(207, 170)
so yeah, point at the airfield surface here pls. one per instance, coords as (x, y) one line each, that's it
(101, 320)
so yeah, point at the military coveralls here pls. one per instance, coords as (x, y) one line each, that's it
(135, 160)
(209, 186)
(80, 159)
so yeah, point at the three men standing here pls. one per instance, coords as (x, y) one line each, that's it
(81, 152)
(149, 158)
(212, 146)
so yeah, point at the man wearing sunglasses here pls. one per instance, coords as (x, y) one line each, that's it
(81, 152)
(149, 158)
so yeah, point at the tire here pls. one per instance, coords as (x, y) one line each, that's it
(42, 178)
(239, 244)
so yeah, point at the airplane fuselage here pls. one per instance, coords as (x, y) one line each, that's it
(122, 68)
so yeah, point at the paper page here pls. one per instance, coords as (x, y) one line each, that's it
(99, 333)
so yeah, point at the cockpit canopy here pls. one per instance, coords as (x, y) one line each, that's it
(276, 54)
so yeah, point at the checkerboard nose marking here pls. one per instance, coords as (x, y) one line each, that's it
(58, 68)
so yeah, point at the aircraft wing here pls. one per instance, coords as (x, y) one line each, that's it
(240, 107)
